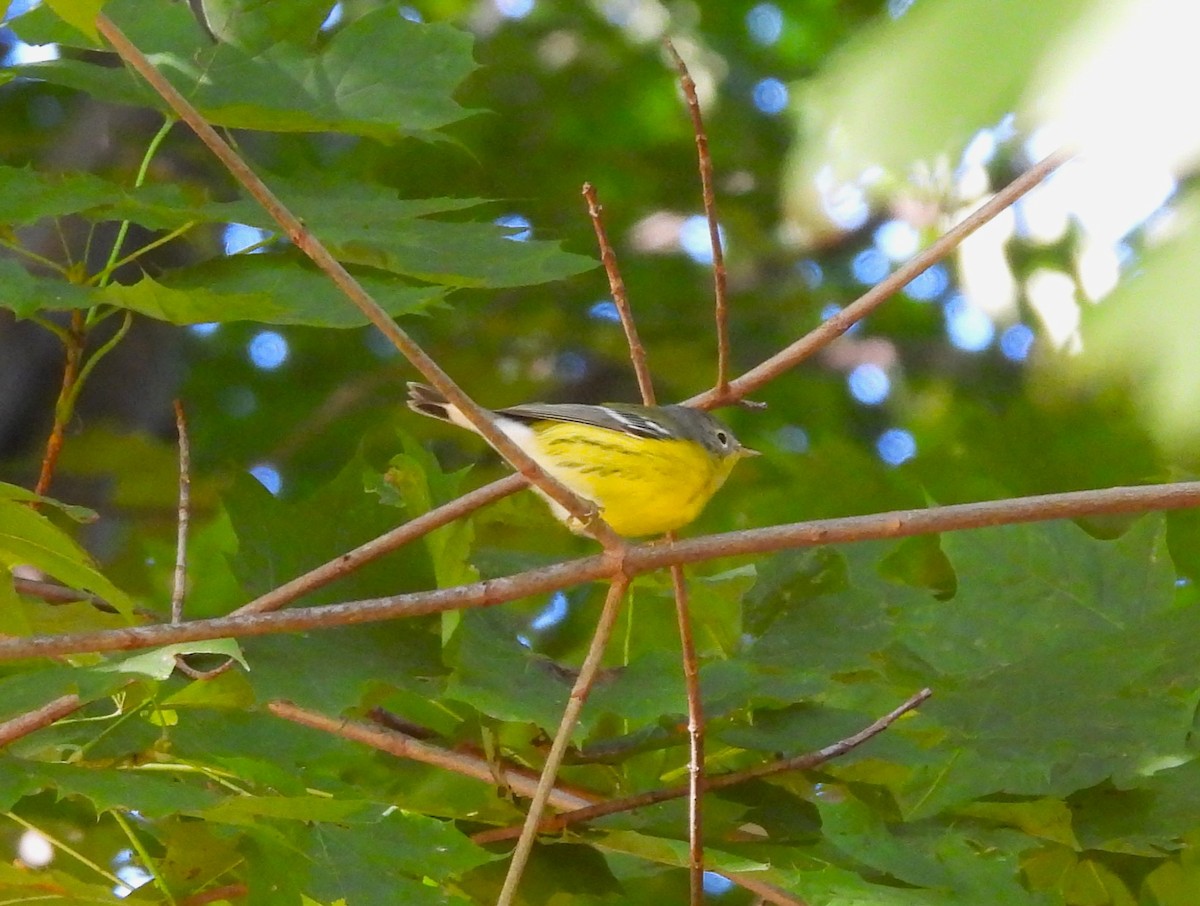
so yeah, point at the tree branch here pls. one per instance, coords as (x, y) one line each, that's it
(404, 746)
(804, 762)
(833, 327)
(570, 717)
(636, 560)
(31, 721)
(704, 161)
(321, 256)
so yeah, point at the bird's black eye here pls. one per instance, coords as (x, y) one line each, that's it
(723, 438)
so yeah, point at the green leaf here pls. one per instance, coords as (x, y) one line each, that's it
(386, 861)
(349, 84)
(28, 538)
(257, 24)
(1141, 337)
(159, 663)
(80, 514)
(106, 788)
(80, 14)
(25, 294)
(499, 676)
(925, 102)
(269, 289)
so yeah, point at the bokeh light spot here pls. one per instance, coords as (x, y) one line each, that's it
(268, 350)
(896, 446)
(770, 96)
(268, 476)
(1016, 342)
(765, 23)
(869, 384)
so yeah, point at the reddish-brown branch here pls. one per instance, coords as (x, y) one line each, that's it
(704, 161)
(521, 782)
(76, 338)
(804, 762)
(304, 240)
(31, 721)
(637, 352)
(636, 560)
(384, 544)
(570, 718)
(833, 327)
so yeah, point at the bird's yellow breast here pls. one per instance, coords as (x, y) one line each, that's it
(642, 486)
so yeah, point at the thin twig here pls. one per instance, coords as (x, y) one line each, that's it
(404, 746)
(144, 168)
(352, 560)
(96, 357)
(570, 717)
(637, 352)
(696, 785)
(638, 559)
(720, 293)
(691, 670)
(62, 408)
(32, 721)
(766, 893)
(148, 863)
(53, 593)
(304, 240)
(805, 762)
(833, 327)
(179, 586)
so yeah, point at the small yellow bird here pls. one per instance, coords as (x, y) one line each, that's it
(648, 469)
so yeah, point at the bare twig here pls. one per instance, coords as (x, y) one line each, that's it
(384, 544)
(637, 559)
(31, 721)
(179, 586)
(696, 785)
(710, 213)
(570, 717)
(804, 762)
(691, 670)
(404, 746)
(833, 327)
(53, 593)
(303, 239)
(766, 893)
(637, 352)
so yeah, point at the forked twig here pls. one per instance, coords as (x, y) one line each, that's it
(720, 293)
(570, 717)
(637, 355)
(836, 325)
(804, 762)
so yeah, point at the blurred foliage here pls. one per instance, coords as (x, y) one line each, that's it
(1056, 763)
